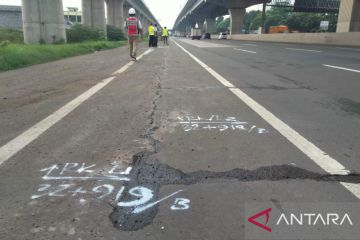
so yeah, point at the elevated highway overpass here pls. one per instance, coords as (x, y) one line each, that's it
(205, 11)
(43, 21)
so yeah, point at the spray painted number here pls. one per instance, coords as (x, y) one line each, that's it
(181, 204)
(63, 190)
(144, 196)
(58, 192)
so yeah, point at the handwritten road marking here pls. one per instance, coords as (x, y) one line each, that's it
(305, 50)
(150, 205)
(243, 50)
(24, 139)
(102, 178)
(342, 68)
(327, 163)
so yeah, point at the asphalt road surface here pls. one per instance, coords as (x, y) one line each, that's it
(186, 143)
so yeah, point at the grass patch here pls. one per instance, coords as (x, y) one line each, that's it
(14, 56)
(13, 35)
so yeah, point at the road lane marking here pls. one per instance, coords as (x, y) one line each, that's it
(243, 50)
(126, 67)
(352, 49)
(305, 50)
(342, 68)
(21, 141)
(202, 44)
(322, 159)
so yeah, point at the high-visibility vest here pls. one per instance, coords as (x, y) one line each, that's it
(165, 33)
(132, 25)
(151, 30)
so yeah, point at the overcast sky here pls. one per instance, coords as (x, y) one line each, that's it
(165, 11)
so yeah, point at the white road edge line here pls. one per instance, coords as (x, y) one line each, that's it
(352, 49)
(306, 50)
(342, 68)
(249, 44)
(124, 68)
(322, 159)
(21, 141)
(239, 49)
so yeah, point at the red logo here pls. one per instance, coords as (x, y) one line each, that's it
(265, 212)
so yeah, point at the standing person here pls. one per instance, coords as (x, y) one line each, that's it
(151, 35)
(155, 36)
(134, 28)
(165, 35)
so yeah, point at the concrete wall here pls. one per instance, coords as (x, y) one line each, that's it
(10, 16)
(345, 39)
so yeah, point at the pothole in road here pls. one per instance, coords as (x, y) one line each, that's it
(153, 176)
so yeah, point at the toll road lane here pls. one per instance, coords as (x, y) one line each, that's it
(165, 151)
(285, 85)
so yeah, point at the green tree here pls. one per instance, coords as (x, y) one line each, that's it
(223, 26)
(252, 20)
(276, 16)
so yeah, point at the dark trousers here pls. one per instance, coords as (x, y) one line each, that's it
(155, 41)
(165, 40)
(151, 41)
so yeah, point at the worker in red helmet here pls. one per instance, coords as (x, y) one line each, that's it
(134, 29)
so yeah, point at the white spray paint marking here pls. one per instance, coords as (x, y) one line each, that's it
(77, 172)
(305, 50)
(191, 123)
(181, 204)
(322, 159)
(142, 194)
(140, 209)
(342, 68)
(243, 50)
(24, 139)
(72, 172)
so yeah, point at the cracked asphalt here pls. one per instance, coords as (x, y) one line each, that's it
(197, 154)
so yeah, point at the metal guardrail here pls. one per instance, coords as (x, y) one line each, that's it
(326, 6)
(315, 6)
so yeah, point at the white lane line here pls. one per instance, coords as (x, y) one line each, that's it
(352, 49)
(342, 68)
(21, 141)
(322, 159)
(305, 50)
(249, 44)
(126, 67)
(243, 50)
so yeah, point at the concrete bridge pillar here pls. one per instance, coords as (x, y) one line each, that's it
(126, 11)
(188, 28)
(94, 14)
(115, 13)
(236, 20)
(349, 16)
(43, 21)
(145, 23)
(200, 24)
(210, 26)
